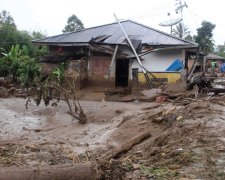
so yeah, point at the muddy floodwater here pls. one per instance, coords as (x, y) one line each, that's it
(53, 128)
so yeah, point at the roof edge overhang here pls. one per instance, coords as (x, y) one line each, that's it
(60, 44)
(167, 48)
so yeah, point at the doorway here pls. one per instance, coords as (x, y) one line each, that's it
(122, 72)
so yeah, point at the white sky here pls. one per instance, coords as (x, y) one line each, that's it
(50, 16)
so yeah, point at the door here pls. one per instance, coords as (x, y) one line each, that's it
(122, 72)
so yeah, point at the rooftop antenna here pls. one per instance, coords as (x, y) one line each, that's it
(170, 23)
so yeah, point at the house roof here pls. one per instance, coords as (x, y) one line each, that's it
(112, 34)
(214, 57)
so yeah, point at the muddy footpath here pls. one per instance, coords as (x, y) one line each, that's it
(121, 140)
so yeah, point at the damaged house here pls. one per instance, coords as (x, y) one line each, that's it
(104, 58)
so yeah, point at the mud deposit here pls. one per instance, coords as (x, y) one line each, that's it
(186, 141)
(48, 135)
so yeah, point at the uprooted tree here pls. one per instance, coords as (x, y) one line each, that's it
(59, 86)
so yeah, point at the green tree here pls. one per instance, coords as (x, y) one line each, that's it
(204, 37)
(6, 18)
(189, 38)
(10, 36)
(220, 50)
(73, 24)
(24, 39)
(37, 35)
(38, 51)
(8, 31)
(181, 31)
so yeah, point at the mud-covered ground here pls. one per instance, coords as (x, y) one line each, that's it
(186, 141)
(48, 135)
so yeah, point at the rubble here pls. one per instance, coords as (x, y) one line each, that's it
(4, 92)
(200, 80)
(7, 89)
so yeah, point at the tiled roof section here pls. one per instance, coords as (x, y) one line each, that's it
(112, 34)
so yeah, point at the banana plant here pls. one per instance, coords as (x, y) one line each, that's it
(19, 66)
(11, 61)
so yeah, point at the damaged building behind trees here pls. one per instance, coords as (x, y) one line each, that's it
(103, 57)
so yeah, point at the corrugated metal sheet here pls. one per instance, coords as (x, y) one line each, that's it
(112, 34)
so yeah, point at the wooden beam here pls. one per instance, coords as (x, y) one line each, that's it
(113, 60)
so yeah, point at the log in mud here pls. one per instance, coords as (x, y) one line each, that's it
(81, 171)
(126, 146)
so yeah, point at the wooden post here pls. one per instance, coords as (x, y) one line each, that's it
(113, 60)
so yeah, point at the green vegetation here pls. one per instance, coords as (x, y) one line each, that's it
(158, 172)
(19, 67)
(19, 63)
(220, 51)
(204, 37)
(18, 56)
(73, 24)
(59, 73)
(10, 35)
(181, 31)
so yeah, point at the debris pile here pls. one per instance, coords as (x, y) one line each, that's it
(8, 89)
(201, 81)
(180, 145)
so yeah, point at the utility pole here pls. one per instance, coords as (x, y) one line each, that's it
(180, 7)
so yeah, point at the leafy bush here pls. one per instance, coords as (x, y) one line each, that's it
(19, 67)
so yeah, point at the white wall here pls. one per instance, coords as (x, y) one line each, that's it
(159, 61)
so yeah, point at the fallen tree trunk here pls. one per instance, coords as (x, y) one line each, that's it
(77, 171)
(126, 146)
